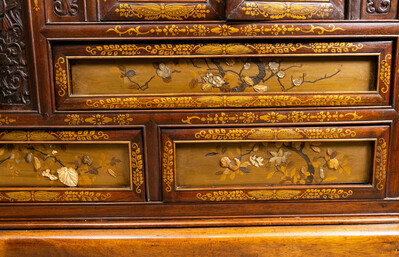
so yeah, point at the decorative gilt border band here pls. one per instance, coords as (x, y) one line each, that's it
(385, 73)
(239, 195)
(272, 133)
(272, 117)
(60, 76)
(98, 119)
(297, 11)
(155, 11)
(82, 135)
(222, 101)
(167, 164)
(220, 49)
(47, 196)
(137, 166)
(381, 163)
(224, 30)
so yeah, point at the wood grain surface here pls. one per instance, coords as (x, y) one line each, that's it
(366, 240)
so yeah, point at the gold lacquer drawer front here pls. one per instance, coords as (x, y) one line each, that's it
(218, 75)
(71, 166)
(281, 164)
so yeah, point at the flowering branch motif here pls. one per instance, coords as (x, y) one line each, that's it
(228, 75)
(49, 161)
(317, 166)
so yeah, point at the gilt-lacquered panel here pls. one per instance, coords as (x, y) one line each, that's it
(130, 76)
(81, 165)
(231, 164)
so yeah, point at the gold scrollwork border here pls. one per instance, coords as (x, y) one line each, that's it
(224, 30)
(239, 195)
(222, 101)
(381, 163)
(167, 164)
(276, 11)
(385, 73)
(41, 135)
(137, 166)
(154, 11)
(98, 119)
(271, 133)
(83, 135)
(272, 117)
(60, 76)
(220, 49)
(50, 196)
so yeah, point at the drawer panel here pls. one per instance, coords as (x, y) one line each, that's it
(125, 10)
(76, 166)
(285, 10)
(244, 164)
(130, 76)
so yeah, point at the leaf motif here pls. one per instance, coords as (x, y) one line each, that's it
(223, 177)
(29, 157)
(36, 163)
(112, 173)
(329, 179)
(68, 176)
(2, 151)
(193, 74)
(229, 78)
(333, 154)
(238, 49)
(210, 49)
(193, 83)
(293, 171)
(315, 149)
(270, 175)
(347, 170)
(211, 154)
(245, 170)
(329, 151)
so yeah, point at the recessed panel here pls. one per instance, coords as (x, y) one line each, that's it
(273, 163)
(136, 76)
(74, 165)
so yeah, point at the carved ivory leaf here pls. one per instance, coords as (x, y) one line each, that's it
(68, 176)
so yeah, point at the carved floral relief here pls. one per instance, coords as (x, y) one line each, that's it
(14, 89)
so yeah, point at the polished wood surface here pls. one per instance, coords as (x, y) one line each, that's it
(365, 240)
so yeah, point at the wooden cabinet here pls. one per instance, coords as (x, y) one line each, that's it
(136, 114)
